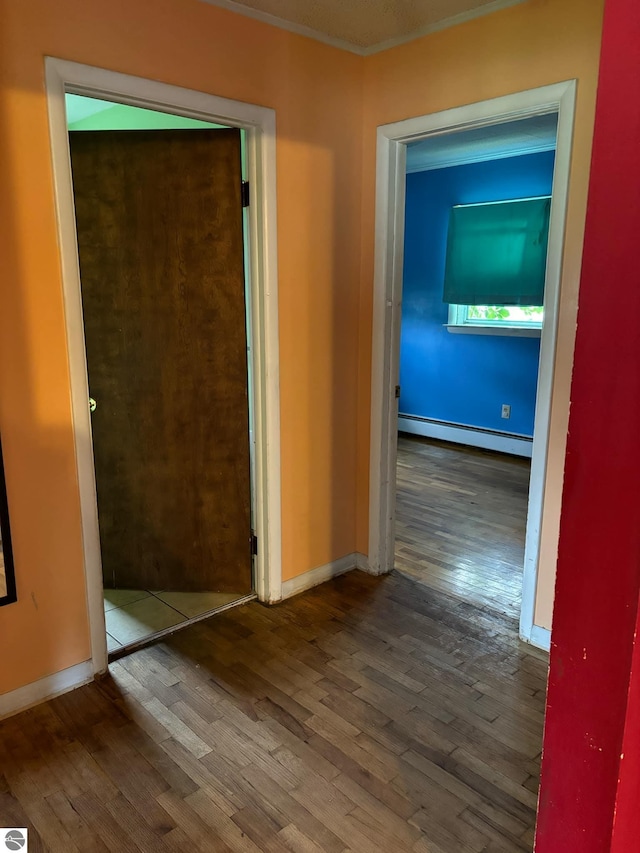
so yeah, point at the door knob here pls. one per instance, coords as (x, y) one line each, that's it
(92, 405)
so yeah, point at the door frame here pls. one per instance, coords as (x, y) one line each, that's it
(392, 140)
(259, 123)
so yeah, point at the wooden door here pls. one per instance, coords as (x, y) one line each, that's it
(159, 221)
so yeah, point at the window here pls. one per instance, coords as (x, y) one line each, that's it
(496, 266)
(496, 319)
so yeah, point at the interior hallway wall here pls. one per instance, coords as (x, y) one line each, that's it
(317, 93)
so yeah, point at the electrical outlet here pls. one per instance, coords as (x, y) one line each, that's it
(506, 410)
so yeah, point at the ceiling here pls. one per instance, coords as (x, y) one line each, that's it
(364, 26)
(494, 142)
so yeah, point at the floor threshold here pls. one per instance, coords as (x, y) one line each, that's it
(142, 643)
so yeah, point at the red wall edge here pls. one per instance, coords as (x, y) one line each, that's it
(626, 825)
(598, 580)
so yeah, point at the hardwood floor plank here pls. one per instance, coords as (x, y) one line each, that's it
(299, 816)
(74, 824)
(296, 841)
(102, 822)
(220, 825)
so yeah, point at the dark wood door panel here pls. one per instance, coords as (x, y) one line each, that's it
(159, 221)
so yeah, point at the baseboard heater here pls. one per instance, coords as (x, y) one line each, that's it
(487, 439)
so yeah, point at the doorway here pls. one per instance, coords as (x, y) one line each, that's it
(160, 213)
(213, 516)
(393, 143)
(469, 367)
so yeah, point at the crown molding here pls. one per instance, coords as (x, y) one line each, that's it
(359, 50)
(465, 159)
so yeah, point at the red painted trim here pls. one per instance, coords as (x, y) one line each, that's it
(598, 584)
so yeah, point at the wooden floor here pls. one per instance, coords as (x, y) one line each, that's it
(461, 516)
(370, 714)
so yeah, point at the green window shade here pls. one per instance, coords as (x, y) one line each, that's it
(497, 253)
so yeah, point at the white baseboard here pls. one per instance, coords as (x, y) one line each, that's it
(319, 575)
(539, 637)
(460, 434)
(45, 688)
(362, 562)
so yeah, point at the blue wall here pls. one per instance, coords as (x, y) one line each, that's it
(458, 377)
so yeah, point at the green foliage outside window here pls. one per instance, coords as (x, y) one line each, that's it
(533, 314)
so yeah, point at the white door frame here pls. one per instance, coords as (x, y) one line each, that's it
(259, 123)
(387, 305)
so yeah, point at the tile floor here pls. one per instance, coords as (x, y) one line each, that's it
(133, 614)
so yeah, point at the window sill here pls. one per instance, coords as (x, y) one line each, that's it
(511, 331)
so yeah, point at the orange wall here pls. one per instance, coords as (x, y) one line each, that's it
(529, 45)
(328, 104)
(317, 93)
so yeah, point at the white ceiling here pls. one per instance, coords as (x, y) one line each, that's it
(509, 139)
(364, 26)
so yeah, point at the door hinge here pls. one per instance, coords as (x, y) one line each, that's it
(397, 392)
(246, 194)
(254, 545)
